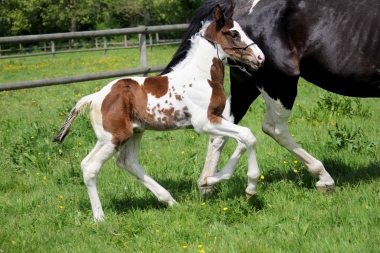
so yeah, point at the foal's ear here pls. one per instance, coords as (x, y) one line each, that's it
(230, 11)
(219, 17)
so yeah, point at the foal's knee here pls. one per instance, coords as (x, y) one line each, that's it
(248, 137)
(89, 174)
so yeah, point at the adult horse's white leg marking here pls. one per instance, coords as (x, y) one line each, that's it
(275, 125)
(243, 135)
(128, 161)
(91, 166)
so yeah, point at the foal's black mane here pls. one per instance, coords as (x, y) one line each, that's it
(204, 13)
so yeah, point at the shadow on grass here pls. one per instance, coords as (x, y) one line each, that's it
(234, 188)
(343, 174)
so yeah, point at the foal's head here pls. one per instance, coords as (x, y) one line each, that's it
(231, 41)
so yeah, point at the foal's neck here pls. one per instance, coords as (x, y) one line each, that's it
(202, 59)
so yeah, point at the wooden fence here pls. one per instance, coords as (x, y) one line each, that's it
(141, 31)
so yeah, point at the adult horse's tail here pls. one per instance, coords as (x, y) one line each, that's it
(78, 109)
(203, 13)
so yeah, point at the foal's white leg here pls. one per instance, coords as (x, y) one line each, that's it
(228, 170)
(215, 148)
(243, 135)
(275, 125)
(91, 166)
(128, 161)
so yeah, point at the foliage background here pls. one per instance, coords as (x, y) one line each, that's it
(24, 17)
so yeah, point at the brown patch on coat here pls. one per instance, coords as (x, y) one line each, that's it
(229, 44)
(178, 97)
(218, 97)
(156, 85)
(127, 103)
(118, 107)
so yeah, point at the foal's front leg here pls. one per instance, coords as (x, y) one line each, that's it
(247, 141)
(128, 161)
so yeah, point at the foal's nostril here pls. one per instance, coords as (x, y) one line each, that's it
(260, 58)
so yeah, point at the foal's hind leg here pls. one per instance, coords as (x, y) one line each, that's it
(91, 166)
(275, 125)
(128, 161)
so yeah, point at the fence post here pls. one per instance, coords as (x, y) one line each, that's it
(105, 46)
(96, 42)
(157, 38)
(150, 42)
(44, 46)
(0, 50)
(142, 47)
(125, 41)
(52, 51)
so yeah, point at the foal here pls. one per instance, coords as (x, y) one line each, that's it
(190, 97)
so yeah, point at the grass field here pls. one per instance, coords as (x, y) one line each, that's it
(44, 206)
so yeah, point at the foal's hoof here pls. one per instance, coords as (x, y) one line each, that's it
(203, 184)
(326, 189)
(207, 190)
(248, 195)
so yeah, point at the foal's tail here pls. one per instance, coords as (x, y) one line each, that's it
(78, 109)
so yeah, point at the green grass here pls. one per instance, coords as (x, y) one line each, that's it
(44, 206)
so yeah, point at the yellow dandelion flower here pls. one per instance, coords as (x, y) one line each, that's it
(60, 207)
(295, 171)
(295, 161)
(202, 251)
(157, 230)
(61, 197)
(192, 137)
(183, 152)
(38, 174)
(32, 137)
(292, 135)
(44, 177)
(184, 247)
(150, 150)
(285, 162)
(262, 177)
(204, 203)
(200, 246)
(225, 208)
(292, 233)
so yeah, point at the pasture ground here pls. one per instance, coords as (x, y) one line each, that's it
(44, 206)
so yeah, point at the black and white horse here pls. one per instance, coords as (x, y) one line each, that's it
(334, 44)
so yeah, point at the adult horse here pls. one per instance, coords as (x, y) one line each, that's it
(332, 44)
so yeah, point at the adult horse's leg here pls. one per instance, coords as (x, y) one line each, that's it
(91, 166)
(128, 161)
(276, 125)
(245, 92)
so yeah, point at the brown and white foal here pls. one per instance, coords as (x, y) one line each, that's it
(190, 97)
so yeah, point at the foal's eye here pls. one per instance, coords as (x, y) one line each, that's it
(235, 35)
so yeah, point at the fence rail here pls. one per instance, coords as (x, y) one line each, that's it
(144, 69)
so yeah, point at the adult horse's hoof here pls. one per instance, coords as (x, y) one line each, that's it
(326, 189)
